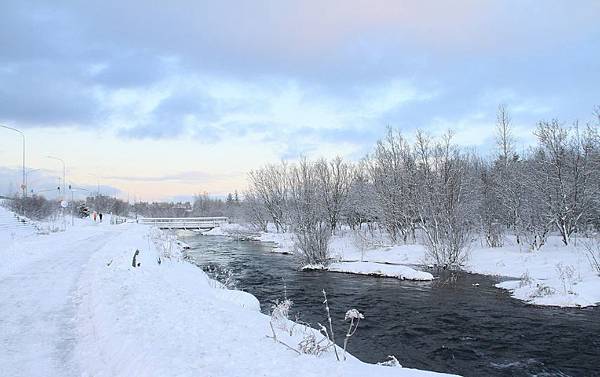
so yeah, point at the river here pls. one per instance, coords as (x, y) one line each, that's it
(459, 323)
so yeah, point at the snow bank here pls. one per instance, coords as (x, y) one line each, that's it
(283, 242)
(378, 269)
(552, 292)
(168, 319)
(556, 275)
(227, 229)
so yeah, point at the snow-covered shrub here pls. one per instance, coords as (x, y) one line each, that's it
(312, 232)
(166, 243)
(525, 280)
(311, 243)
(310, 345)
(566, 273)
(543, 290)
(390, 362)
(221, 277)
(280, 311)
(34, 207)
(592, 249)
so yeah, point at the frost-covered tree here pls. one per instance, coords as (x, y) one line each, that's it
(361, 205)
(565, 171)
(36, 207)
(254, 211)
(270, 185)
(308, 216)
(334, 179)
(392, 171)
(445, 205)
(489, 211)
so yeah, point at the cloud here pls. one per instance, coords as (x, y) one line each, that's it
(45, 182)
(292, 78)
(188, 176)
(272, 63)
(213, 110)
(37, 94)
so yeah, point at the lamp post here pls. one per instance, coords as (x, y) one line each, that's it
(23, 186)
(64, 172)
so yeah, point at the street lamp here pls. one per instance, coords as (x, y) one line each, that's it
(64, 171)
(23, 187)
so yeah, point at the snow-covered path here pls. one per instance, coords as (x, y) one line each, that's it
(37, 328)
(71, 304)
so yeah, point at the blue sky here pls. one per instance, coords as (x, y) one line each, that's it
(163, 100)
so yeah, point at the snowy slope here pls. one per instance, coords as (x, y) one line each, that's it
(170, 320)
(12, 228)
(72, 305)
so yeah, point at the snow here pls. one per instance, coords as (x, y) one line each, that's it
(227, 229)
(378, 269)
(283, 242)
(12, 228)
(38, 279)
(534, 270)
(73, 305)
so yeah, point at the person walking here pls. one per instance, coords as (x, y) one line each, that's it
(100, 216)
(94, 216)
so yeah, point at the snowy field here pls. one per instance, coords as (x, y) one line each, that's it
(556, 275)
(72, 304)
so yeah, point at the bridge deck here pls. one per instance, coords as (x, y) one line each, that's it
(200, 223)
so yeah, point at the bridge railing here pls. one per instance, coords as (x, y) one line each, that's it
(184, 222)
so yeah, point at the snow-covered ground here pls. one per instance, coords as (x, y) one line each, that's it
(72, 304)
(556, 275)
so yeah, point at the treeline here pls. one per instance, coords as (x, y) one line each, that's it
(35, 207)
(202, 206)
(39, 208)
(434, 192)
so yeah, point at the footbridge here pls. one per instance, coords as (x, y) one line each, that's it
(187, 223)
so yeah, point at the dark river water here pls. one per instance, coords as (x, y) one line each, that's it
(459, 323)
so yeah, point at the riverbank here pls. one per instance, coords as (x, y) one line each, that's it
(74, 304)
(556, 275)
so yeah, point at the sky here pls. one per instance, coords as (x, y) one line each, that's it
(155, 100)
